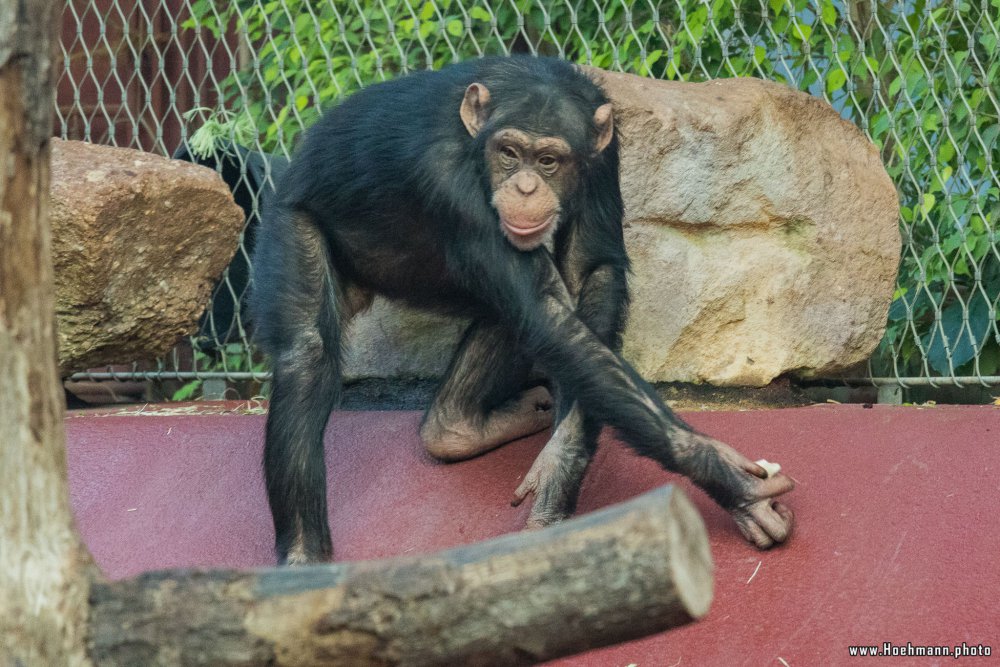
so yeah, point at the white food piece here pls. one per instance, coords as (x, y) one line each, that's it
(771, 468)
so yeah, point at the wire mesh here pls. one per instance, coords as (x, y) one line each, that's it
(918, 77)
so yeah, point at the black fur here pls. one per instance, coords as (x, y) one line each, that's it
(389, 193)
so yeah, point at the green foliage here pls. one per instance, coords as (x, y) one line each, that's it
(219, 128)
(230, 358)
(936, 122)
(914, 75)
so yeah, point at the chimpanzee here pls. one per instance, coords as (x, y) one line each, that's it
(488, 189)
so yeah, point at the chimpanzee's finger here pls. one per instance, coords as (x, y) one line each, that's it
(775, 519)
(773, 486)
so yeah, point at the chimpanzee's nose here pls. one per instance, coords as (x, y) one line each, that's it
(526, 182)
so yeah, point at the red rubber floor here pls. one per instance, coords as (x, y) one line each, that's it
(897, 519)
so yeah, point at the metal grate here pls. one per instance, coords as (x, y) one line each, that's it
(914, 75)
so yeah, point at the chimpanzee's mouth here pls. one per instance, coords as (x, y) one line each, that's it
(519, 229)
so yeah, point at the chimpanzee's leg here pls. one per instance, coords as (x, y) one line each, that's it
(609, 389)
(299, 310)
(485, 399)
(483, 403)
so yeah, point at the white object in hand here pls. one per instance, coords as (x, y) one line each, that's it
(771, 468)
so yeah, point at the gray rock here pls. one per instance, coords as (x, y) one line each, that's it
(393, 341)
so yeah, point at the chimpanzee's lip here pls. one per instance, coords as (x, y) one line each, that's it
(522, 230)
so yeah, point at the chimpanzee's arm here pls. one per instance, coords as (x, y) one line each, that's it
(603, 303)
(556, 475)
(525, 291)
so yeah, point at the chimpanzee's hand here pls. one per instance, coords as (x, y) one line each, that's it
(765, 522)
(555, 476)
(543, 481)
(742, 487)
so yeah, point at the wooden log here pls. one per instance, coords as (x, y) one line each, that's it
(618, 574)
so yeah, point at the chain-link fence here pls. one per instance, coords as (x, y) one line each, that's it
(919, 78)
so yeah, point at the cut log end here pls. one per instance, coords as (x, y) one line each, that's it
(690, 556)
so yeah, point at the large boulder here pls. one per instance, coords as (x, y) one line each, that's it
(763, 231)
(138, 241)
(763, 234)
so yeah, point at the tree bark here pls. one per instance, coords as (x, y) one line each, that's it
(43, 567)
(614, 575)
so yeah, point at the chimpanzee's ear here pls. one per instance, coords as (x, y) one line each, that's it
(605, 124)
(474, 112)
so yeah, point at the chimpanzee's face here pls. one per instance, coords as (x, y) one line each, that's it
(531, 176)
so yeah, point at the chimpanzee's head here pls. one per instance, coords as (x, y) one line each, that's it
(534, 155)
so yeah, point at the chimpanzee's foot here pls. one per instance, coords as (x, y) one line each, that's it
(301, 557)
(449, 435)
(741, 487)
(306, 550)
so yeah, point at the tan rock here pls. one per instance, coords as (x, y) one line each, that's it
(762, 227)
(138, 242)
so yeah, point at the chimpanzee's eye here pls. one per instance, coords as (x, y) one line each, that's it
(548, 162)
(509, 157)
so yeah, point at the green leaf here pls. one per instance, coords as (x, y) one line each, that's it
(989, 358)
(835, 80)
(739, 66)
(927, 204)
(989, 42)
(480, 14)
(187, 391)
(455, 28)
(829, 13)
(879, 126)
(939, 180)
(960, 334)
(990, 135)
(895, 86)
(946, 152)
(652, 59)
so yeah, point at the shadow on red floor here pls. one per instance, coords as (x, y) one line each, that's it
(897, 536)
